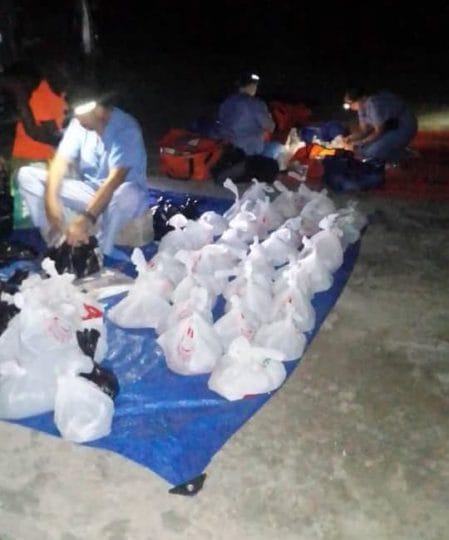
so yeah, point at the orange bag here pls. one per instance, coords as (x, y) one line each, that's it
(187, 156)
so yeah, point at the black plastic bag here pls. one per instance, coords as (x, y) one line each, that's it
(165, 209)
(239, 167)
(7, 312)
(79, 260)
(6, 204)
(88, 340)
(11, 285)
(15, 251)
(103, 377)
(343, 172)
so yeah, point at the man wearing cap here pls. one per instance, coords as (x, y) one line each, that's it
(244, 118)
(104, 145)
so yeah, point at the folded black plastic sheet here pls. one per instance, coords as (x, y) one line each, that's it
(170, 423)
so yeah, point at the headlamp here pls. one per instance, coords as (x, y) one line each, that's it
(84, 108)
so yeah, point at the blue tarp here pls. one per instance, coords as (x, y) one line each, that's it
(170, 423)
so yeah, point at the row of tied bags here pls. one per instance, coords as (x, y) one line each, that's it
(264, 259)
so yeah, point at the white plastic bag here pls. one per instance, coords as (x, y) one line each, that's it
(327, 243)
(24, 394)
(192, 279)
(296, 299)
(291, 146)
(288, 203)
(166, 264)
(141, 308)
(257, 298)
(83, 412)
(247, 370)
(218, 223)
(191, 347)
(154, 277)
(236, 322)
(351, 222)
(254, 289)
(259, 260)
(31, 363)
(268, 217)
(280, 246)
(175, 240)
(231, 240)
(318, 207)
(319, 277)
(256, 218)
(198, 301)
(212, 264)
(40, 343)
(245, 224)
(145, 305)
(282, 335)
(257, 191)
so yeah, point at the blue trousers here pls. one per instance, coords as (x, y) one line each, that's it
(390, 145)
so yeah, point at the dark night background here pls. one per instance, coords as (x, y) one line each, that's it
(175, 60)
(171, 62)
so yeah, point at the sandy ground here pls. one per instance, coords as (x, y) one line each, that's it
(354, 446)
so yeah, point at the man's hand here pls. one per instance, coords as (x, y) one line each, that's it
(77, 232)
(348, 145)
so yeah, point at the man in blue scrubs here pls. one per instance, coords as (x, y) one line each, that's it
(244, 118)
(243, 123)
(386, 125)
(99, 171)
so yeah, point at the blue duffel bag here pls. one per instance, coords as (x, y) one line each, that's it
(345, 173)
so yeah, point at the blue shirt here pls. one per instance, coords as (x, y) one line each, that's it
(243, 121)
(120, 145)
(379, 108)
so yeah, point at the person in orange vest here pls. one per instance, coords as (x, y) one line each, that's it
(39, 98)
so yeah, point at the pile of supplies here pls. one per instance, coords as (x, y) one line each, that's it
(227, 295)
(231, 295)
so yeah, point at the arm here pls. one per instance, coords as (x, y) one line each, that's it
(360, 133)
(372, 135)
(266, 119)
(44, 132)
(53, 207)
(79, 230)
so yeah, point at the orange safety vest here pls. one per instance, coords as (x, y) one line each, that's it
(45, 105)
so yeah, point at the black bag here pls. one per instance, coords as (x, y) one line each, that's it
(345, 173)
(165, 209)
(239, 167)
(104, 378)
(263, 168)
(79, 260)
(7, 312)
(6, 204)
(15, 251)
